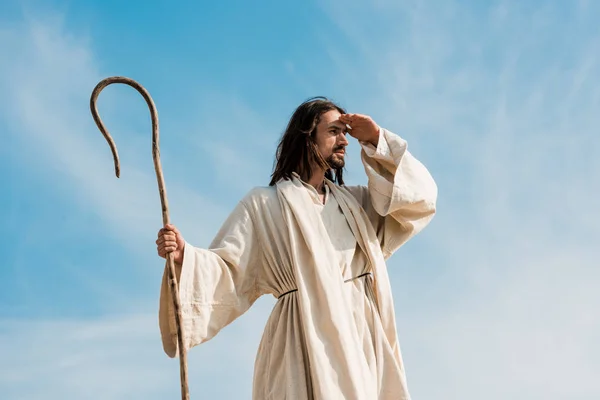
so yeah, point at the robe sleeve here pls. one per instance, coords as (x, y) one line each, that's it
(216, 285)
(401, 195)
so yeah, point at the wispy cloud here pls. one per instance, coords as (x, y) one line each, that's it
(120, 357)
(110, 358)
(494, 300)
(502, 305)
(45, 94)
(46, 88)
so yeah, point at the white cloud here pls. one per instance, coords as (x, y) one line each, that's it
(238, 142)
(502, 303)
(496, 299)
(49, 80)
(45, 96)
(120, 357)
(113, 358)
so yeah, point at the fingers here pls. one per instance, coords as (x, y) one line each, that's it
(169, 231)
(172, 228)
(167, 240)
(166, 247)
(163, 251)
(353, 117)
(355, 120)
(346, 119)
(162, 237)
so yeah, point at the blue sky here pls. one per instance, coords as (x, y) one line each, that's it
(496, 299)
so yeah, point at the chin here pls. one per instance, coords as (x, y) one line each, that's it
(336, 162)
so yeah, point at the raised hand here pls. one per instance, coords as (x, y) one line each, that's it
(363, 127)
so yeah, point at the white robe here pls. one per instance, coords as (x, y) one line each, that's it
(332, 332)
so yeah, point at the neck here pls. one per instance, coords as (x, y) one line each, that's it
(317, 180)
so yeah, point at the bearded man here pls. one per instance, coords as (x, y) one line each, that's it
(320, 247)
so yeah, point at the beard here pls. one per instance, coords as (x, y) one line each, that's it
(335, 161)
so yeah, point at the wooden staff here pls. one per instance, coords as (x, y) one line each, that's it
(170, 263)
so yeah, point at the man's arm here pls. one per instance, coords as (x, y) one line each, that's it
(401, 195)
(216, 285)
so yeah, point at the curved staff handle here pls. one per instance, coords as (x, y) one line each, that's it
(163, 199)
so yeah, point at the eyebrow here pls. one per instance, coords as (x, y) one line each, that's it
(337, 125)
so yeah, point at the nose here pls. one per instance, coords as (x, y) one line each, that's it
(342, 139)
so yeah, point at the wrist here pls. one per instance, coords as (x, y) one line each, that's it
(179, 258)
(375, 138)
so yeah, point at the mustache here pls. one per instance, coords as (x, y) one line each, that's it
(338, 148)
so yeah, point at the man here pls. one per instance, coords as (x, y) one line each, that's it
(319, 247)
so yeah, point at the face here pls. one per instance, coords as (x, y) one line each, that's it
(331, 139)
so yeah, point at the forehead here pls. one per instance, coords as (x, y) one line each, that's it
(330, 117)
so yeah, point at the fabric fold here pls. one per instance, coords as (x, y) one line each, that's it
(327, 338)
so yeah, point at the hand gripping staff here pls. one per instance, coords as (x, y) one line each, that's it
(163, 199)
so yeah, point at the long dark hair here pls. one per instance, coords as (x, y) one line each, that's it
(297, 150)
